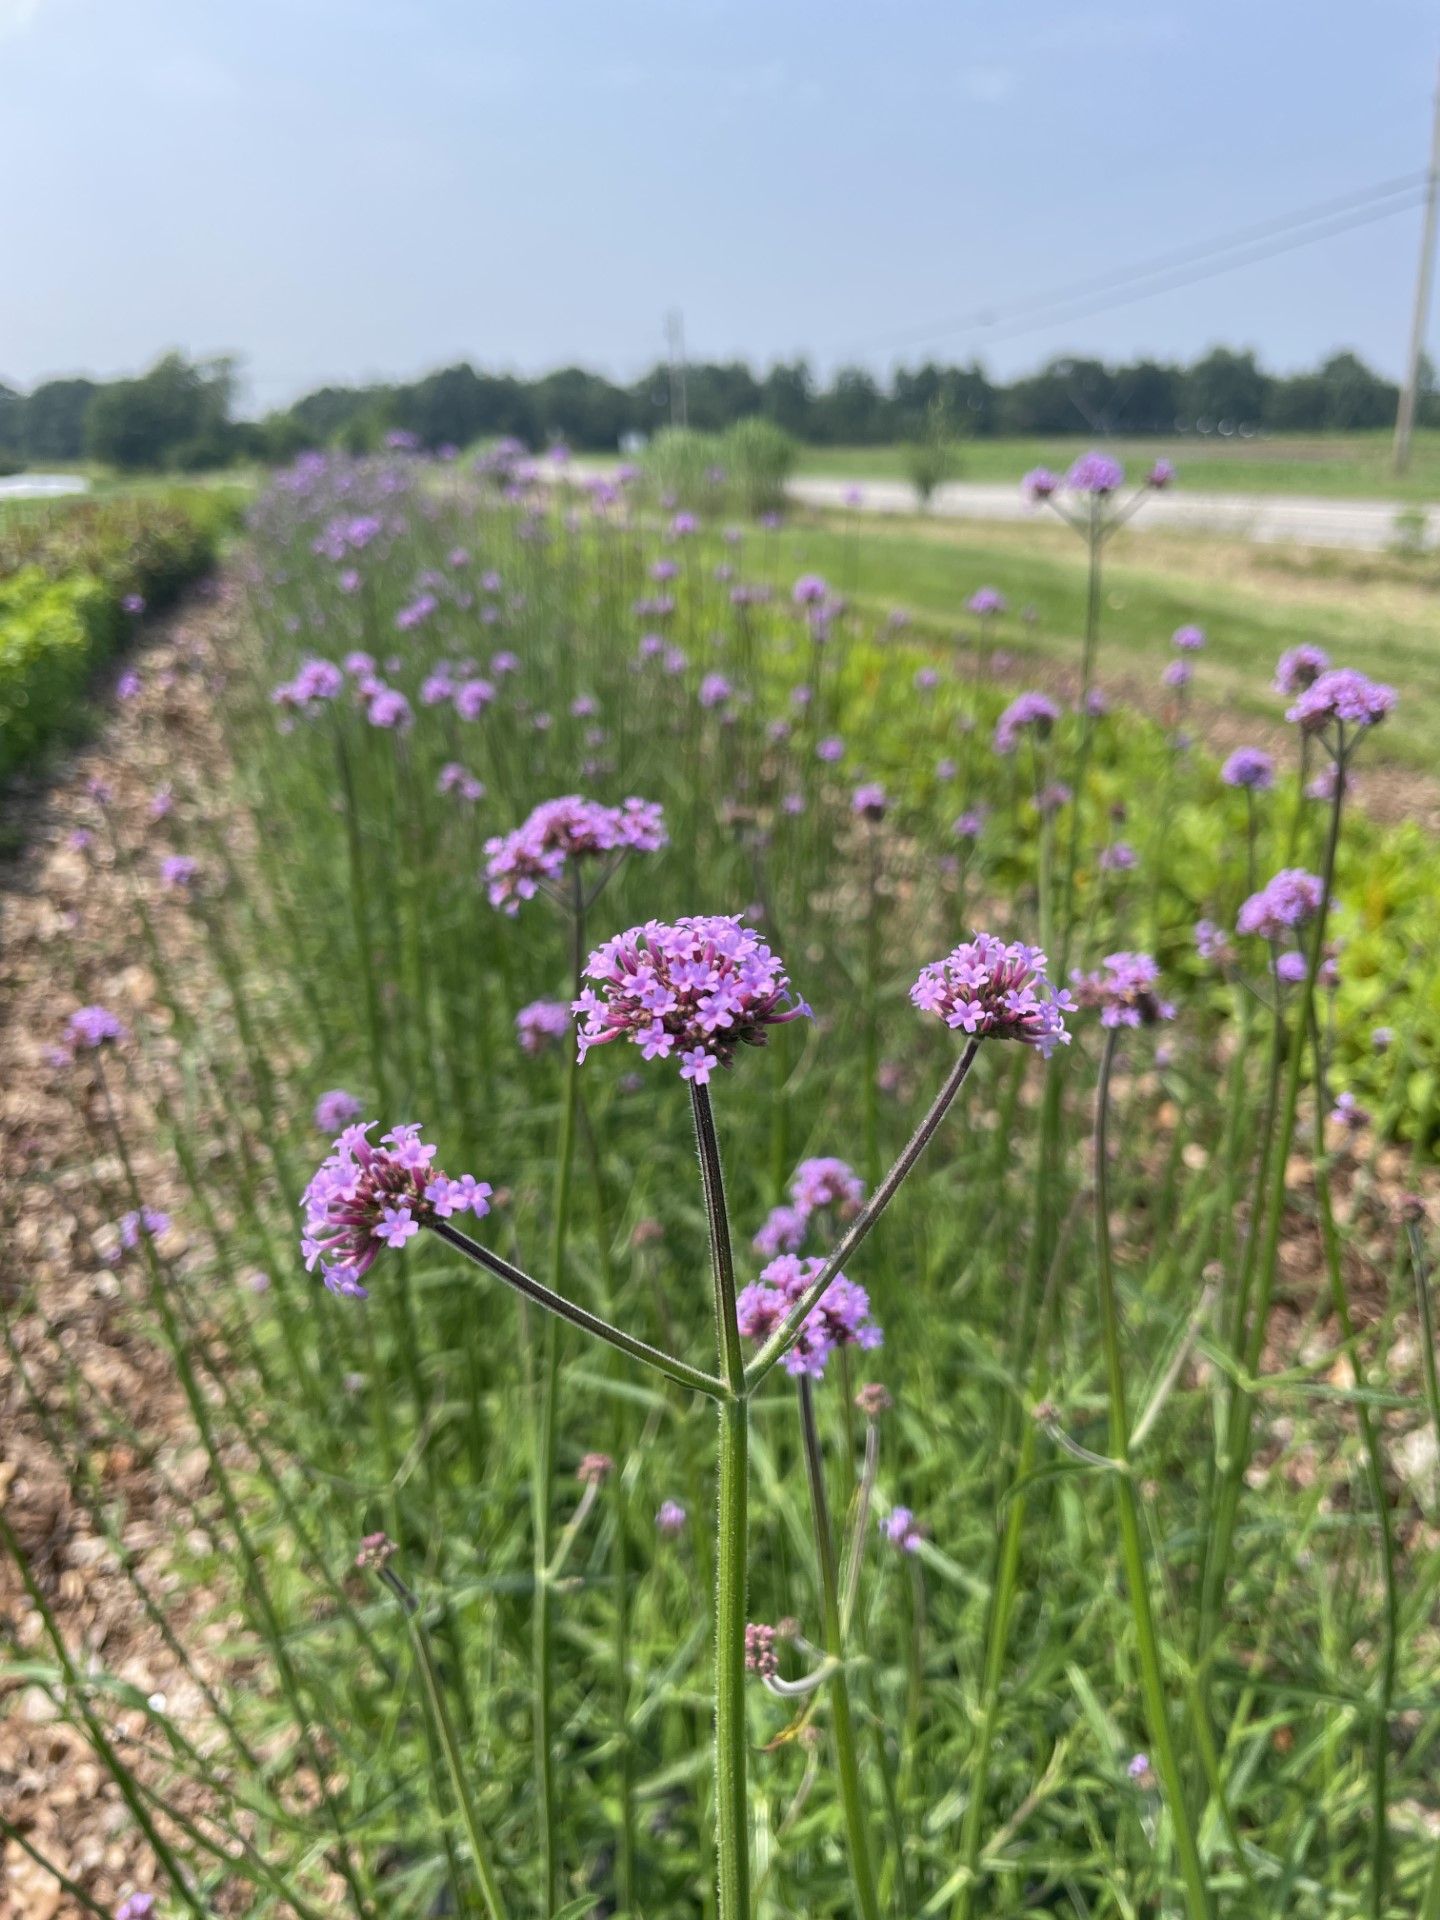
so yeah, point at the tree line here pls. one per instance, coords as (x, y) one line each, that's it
(181, 414)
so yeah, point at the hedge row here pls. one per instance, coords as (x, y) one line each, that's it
(67, 575)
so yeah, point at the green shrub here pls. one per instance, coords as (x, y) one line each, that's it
(64, 573)
(685, 466)
(758, 458)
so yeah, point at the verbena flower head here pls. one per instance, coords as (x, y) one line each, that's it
(365, 1196)
(696, 990)
(1348, 1113)
(1118, 857)
(1288, 901)
(841, 1317)
(143, 1223)
(455, 778)
(136, 1906)
(1095, 473)
(1300, 667)
(1123, 989)
(594, 1468)
(715, 690)
(336, 1109)
(986, 600)
(1179, 673)
(1188, 639)
(671, 1518)
(541, 1022)
(1249, 767)
(902, 1530)
(179, 872)
(760, 1655)
(1345, 696)
(1026, 711)
(783, 1232)
(519, 864)
(1213, 943)
(1040, 483)
(869, 801)
(1160, 474)
(809, 590)
(827, 1182)
(999, 991)
(94, 1027)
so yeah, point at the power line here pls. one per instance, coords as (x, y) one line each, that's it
(987, 318)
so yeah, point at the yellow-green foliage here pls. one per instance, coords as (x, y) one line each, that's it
(63, 576)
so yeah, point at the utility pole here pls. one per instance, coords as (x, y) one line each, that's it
(675, 346)
(1405, 417)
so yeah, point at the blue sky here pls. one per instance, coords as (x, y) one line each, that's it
(334, 189)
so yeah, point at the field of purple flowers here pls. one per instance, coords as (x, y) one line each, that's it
(914, 1392)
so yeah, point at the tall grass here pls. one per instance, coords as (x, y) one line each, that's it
(1120, 1608)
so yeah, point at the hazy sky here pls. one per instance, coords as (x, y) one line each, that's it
(339, 188)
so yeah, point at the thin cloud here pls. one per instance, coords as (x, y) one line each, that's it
(987, 86)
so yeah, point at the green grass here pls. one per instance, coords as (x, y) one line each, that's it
(1374, 613)
(1339, 465)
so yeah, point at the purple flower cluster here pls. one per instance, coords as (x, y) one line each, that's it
(902, 1530)
(143, 1223)
(317, 680)
(1249, 767)
(93, 1027)
(1097, 474)
(1123, 989)
(869, 801)
(179, 872)
(455, 778)
(518, 864)
(541, 1022)
(986, 600)
(1300, 667)
(841, 1317)
(1039, 484)
(1188, 639)
(1282, 905)
(336, 1109)
(670, 1519)
(365, 1196)
(1027, 710)
(697, 989)
(999, 991)
(819, 1186)
(1342, 696)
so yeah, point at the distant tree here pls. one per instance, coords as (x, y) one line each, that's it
(12, 428)
(1224, 387)
(176, 414)
(852, 412)
(55, 413)
(787, 396)
(1146, 398)
(1066, 396)
(1355, 395)
(581, 408)
(1295, 404)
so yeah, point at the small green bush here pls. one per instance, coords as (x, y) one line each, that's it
(758, 458)
(64, 573)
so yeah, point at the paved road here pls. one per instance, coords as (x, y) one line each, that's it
(1302, 519)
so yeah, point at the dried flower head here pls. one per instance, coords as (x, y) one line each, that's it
(594, 1468)
(998, 991)
(671, 1518)
(873, 1399)
(697, 990)
(375, 1551)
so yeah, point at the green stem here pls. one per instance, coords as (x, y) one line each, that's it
(1152, 1677)
(732, 1807)
(852, 1801)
